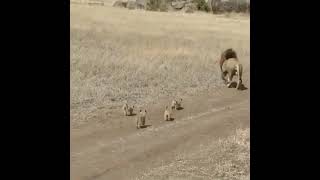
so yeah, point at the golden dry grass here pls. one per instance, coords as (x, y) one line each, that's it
(122, 55)
(227, 159)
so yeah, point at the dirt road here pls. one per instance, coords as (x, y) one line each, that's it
(115, 149)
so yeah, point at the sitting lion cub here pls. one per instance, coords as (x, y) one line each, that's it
(176, 104)
(141, 119)
(167, 114)
(127, 111)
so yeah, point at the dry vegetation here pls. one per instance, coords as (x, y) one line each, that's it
(227, 158)
(140, 56)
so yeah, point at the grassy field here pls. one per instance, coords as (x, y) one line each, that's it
(227, 158)
(120, 55)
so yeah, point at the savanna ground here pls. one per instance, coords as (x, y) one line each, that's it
(146, 59)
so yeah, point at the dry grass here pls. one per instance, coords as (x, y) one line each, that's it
(224, 159)
(139, 56)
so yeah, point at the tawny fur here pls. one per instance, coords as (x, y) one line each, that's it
(167, 114)
(141, 119)
(176, 104)
(130, 110)
(173, 104)
(227, 54)
(125, 109)
(230, 68)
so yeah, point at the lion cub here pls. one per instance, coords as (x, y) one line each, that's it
(127, 111)
(141, 119)
(130, 110)
(176, 105)
(167, 114)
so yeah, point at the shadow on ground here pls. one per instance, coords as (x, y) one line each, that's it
(180, 108)
(234, 85)
(144, 126)
(171, 119)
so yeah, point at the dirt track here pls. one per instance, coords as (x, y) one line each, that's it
(122, 152)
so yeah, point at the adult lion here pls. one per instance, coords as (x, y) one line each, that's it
(232, 67)
(227, 54)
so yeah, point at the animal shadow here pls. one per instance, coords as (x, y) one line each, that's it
(144, 126)
(133, 114)
(241, 87)
(171, 119)
(180, 108)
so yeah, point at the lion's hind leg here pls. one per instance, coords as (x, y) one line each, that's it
(230, 76)
(223, 77)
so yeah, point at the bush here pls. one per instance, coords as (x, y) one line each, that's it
(163, 6)
(201, 5)
(156, 5)
(219, 6)
(131, 4)
(119, 3)
(152, 5)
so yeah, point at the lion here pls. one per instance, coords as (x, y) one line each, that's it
(232, 67)
(130, 110)
(141, 119)
(176, 104)
(167, 114)
(225, 55)
(125, 109)
(173, 104)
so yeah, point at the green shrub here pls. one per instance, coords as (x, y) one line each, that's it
(201, 5)
(156, 5)
(152, 5)
(163, 6)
